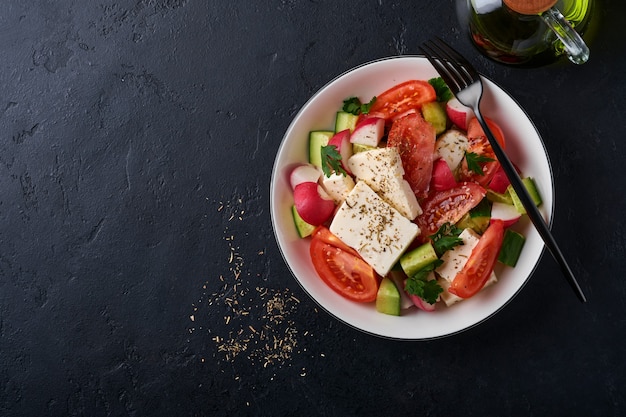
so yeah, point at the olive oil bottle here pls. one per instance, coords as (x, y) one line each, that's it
(514, 38)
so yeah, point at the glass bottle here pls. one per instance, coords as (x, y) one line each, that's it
(515, 38)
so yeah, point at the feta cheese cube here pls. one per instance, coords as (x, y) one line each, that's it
(381, 169)
(453, 262)
(451, 146)
(372, 227)
(338, 186)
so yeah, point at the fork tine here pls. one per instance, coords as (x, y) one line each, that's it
(458, 58)
(437, 61)
(464, 79)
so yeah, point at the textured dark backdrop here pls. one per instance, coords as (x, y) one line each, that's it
(139, 275)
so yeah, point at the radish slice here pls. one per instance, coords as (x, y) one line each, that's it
(458, 113)
(505, 212)
(442, 178)
(341, 140)
(421, 304)
(312, 203)
(500, 182)
(304, 173)
(369, 131)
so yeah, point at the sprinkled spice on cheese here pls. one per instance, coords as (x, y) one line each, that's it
(376, 230)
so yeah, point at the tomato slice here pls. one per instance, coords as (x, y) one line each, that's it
(479, 266)
(448, 206)
(415, 139)
(324, 234)
(479, 144)
(406, 96)
(342, 270)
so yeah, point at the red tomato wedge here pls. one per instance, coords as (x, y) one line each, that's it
(478, 267)
(448, 206)
(404, 97)
(341, 267)
(415, 139)
(479, 144)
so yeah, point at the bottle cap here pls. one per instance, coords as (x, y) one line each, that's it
(529, 6)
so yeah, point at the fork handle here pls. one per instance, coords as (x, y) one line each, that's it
(531, 209)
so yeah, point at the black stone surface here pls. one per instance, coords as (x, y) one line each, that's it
(139, 275)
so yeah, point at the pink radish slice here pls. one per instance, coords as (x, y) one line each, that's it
(458, 113)
(341, 141)
(505, 212)
(312, 203)
(304, 173)
(369, 131)
(442, 178)
(421, 304)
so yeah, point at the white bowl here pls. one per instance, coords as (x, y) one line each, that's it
(523, 145)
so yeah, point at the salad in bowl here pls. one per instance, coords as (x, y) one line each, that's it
(391, 210)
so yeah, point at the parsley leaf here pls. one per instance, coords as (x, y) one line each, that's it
(354, 106)
(446, 238)
(474, 160)
(441, 88)
(420, 285)
(331, 161)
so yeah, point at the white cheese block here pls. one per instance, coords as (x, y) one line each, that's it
(451, 146)
(453, 262)
(382, 170)
(445, 296)
(371, 226)
(338, 186)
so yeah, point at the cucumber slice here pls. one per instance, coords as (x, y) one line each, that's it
(495, 197)
(435, 114)
(529, 183)
(478, 218)
(357, 147)
(345, 120)
(476, 223)
(420, 257)
(511, 248)
(317, 139)
(304, 229)
(388, 299)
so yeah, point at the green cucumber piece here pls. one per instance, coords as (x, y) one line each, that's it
(482, 209)
(420, 257)
(529, 183)
(435, 114)
(511, 248)
(357, 147)
(318, 139)
(345, 120)
(388, 300)
(304, 229)
(495, 197)
(478, 218)
(477, 223)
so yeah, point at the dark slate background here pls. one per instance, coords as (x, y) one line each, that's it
(139, 275)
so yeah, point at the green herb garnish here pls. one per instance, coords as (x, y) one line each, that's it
(474, 160)
(446, 238)
(354, 106)
(420, 285)
(441, 88)
(331, 161)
